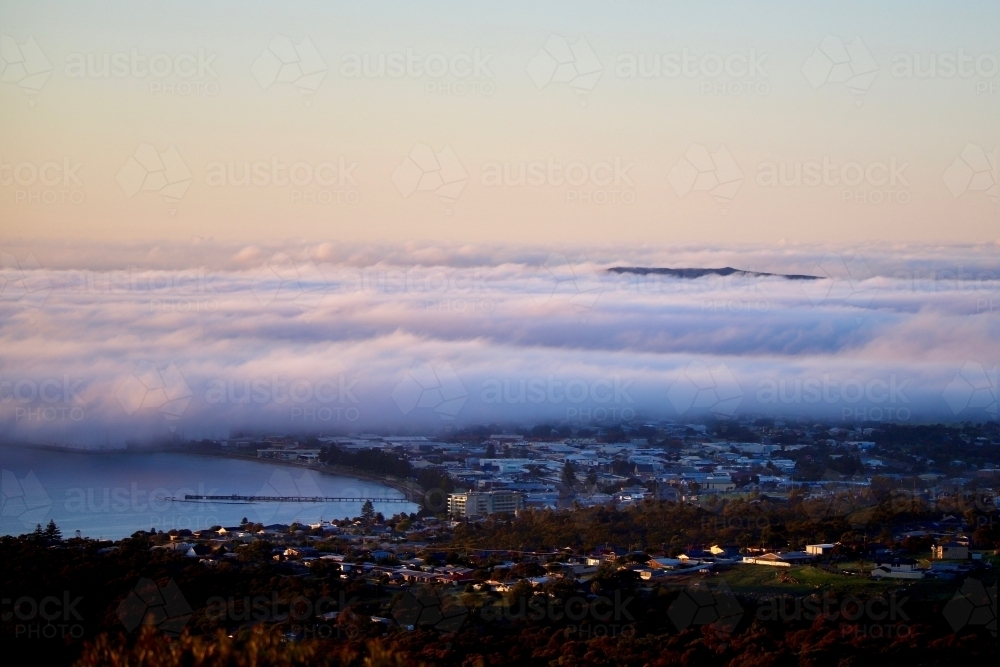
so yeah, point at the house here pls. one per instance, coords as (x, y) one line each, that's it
(820, 549)
(453, 573)
(897, 568)
(605, 555)
(723, 552)
(300, 552)
(718, 483)
(950, 551)
(786, 559)
(418, 577)
(198, 550)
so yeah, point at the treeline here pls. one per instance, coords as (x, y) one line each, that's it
(369, 460)
(673, 527)
(381, 462)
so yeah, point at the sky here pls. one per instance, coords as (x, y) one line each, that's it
(426, 198)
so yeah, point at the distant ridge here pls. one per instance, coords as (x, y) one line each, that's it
(698, 273)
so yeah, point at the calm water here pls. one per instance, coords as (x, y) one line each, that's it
(114, 495)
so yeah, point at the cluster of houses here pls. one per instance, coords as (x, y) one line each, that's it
(622, 472)
(370, 552)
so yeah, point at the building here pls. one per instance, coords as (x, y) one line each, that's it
(820, 549)
(950, 551)
(718, 483)
(481, 503)
(786, 559)
(897, 568)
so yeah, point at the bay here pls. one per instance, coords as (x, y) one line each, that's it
(112, 495)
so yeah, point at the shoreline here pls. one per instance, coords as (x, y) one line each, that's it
(410, 490)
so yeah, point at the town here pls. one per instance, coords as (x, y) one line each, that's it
(469, 476)
(695, 536)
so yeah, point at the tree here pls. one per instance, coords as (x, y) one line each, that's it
(368, 512)
(491, 451)
(569, 475)
(52, 532)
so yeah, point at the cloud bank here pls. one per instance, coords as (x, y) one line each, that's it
(102, 345)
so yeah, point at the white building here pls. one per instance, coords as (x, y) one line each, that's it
(481, 503)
